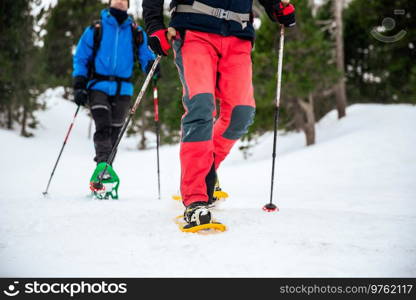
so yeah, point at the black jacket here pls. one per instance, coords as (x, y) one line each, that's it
(153, 17)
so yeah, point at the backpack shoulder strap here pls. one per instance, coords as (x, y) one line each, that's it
(98, 34)
(137, 38)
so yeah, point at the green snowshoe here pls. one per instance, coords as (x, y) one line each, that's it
(110, 182)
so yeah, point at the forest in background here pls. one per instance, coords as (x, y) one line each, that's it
(337, 55)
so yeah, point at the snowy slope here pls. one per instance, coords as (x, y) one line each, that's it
(347, 205)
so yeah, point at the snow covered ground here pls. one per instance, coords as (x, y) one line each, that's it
(347, 205)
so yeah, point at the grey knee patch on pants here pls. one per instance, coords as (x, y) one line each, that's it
(100, 106)
(197, 124)
(242, 117)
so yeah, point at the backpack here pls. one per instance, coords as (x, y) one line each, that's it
(137, 38)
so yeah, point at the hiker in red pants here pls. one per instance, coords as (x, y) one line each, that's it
(212, 41)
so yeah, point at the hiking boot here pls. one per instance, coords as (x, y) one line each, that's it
(197, 214)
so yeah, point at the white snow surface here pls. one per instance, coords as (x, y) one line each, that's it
(347, 205)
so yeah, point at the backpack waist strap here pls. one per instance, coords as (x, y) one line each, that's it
(99, 77)
(201, 8)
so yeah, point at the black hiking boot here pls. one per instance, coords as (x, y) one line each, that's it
(197, 214)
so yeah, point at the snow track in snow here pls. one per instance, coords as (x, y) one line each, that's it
(347, 205)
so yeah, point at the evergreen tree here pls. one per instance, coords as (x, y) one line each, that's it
(65, 24)
(381, 71)
(307, 73)
(19, 58)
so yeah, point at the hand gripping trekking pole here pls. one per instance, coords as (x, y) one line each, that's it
(270, 207)
(156, 112)
(99, 185)
(62, 149)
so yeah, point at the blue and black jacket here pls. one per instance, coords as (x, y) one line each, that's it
(114, 56)
(153, 17)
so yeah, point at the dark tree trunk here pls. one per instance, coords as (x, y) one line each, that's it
(309, 125)
(9, 116)
(67, 93)
(142, 129)
(142, 145)
(340, 90)
(23, 131)
(298, 118)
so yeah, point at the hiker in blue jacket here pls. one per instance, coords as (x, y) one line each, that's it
(103, 67)
(102, 76)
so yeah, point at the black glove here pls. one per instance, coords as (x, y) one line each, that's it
(157, 74)
(159, 43)
(80, 90)
(285, 14)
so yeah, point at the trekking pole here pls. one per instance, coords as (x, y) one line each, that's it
(99, 185)
(156, 108)
(62, 149)
(270, 207)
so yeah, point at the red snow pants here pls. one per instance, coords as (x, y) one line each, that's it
(211, 67)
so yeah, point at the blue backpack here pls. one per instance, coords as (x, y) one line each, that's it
(137, 39)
